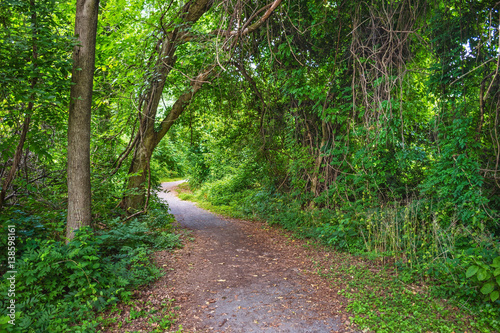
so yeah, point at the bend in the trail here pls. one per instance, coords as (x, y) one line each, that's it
(238, 277)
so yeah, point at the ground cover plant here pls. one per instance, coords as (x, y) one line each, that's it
(66, 286)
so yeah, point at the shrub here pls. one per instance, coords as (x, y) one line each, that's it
(61, 286)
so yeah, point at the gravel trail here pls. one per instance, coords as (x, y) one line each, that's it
(240, 276)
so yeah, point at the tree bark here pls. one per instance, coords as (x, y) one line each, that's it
(319, 158)
(148, 138)
(79, 191)
(318, 161)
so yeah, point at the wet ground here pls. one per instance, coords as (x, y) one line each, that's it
(241, 276)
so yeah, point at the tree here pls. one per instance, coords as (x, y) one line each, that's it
(176, 33)
(35, 59)
(79, 191)
(27, 119)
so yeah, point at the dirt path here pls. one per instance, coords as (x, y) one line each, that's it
(235, 276)
(239, 276)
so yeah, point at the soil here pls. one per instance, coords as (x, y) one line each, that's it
(242, 276)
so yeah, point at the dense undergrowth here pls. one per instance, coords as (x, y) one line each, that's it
(65, 287)
(445, 261)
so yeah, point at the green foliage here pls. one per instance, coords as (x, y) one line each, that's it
(198, 169)
(64, 285)
(453, 181)
(385, 304)
(371, 126)
(487, 276)
(167, 161)
(341, 232)
(232, 188)
(35, 57)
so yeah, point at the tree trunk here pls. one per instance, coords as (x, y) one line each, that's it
(79, 191)
(138, 171)
(17, 157)
(150, 138)
(318, 161)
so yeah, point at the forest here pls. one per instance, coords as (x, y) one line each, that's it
(369, 127)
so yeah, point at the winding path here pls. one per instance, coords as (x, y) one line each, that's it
(240, 276)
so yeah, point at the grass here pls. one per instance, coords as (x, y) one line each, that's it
(380, 302)
(226, 210)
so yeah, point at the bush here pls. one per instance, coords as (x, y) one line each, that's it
(61, 286)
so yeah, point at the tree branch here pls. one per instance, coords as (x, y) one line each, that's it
(181, 103)
(245, 30)
(250, 80)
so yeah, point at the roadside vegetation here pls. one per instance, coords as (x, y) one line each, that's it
(66, 287)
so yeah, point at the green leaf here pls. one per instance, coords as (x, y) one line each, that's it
(494, 296)
(482, 274)
(496, 262)
(471, 271)
(496, 272)
(4, 320)
(487, 288)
